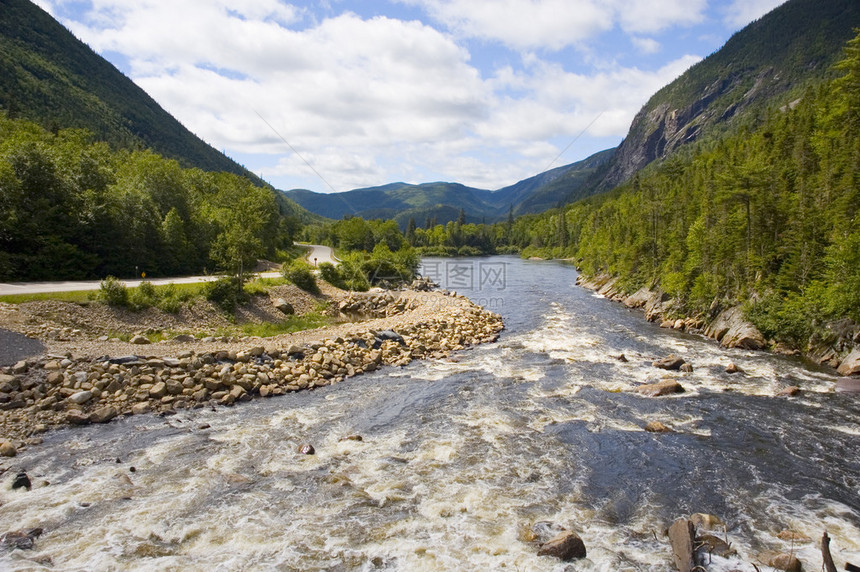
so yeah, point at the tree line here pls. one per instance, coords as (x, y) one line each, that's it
(73, 208)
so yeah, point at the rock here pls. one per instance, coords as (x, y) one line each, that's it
(352, 438)
(283, 306)
(710, 544)
(786, 562)
(21, 539)
(704, 521)
(622, 358)
(158, 390)
(22, 481)
(20, 367)
(139, 340)
(733, 331)
(848, 385)
(140, 408)
(306, 449)
(687, 368)
(850, 365)
(660, 389)
(76, 417)
(184, 338)
(671, 362)
(792, 536)
(657, 427)
(565, 546)
(732, 368)
(681, 536)
(104, 414)
(789, 391)
(81, 397)
(7, 449)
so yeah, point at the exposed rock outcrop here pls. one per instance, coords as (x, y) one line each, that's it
(732, 330)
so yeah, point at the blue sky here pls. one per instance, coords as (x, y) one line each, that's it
(342, 94)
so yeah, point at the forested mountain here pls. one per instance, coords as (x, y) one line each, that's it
(442, 202)
(767, 216)
(50, 77)
(767, 63)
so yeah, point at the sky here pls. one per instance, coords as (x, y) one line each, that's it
(334, 95)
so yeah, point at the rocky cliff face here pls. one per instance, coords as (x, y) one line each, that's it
(766, 63)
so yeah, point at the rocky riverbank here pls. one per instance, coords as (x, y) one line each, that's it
(83, 380)
(728, 327)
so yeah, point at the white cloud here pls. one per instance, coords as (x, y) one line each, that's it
(555, 24)
(646, 45)
(741, 12)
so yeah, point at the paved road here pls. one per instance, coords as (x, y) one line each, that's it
(317, 254)
(321, 253)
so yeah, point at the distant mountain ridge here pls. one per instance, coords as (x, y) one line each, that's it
(443, 201)
(768, 61)
(50, 77)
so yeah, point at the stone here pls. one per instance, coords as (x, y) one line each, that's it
(103, 414)
(140, 408)
(21, 481)
(283, 306)
(686, 368)
(671, 362)
(733, 331)
(139, 340)
(20, 539)
(848, 385)
(81, 397)
(306, 449)
(660, 389)
(565, 546)
(352, 438)
(704, 521)
(657, 427)
(850, 365)
(681, 536)
(622, 358)
(20, 367)
(710, 544)
(158, 390)
(76, 417)
(7, 449)
(733, 368)
(789, 391)
(786, 562)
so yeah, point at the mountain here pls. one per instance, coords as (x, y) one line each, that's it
(767, 63)
(443, 201)
(50, 77)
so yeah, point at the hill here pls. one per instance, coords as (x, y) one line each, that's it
(765, 64)
(442, 202)
(50, 77)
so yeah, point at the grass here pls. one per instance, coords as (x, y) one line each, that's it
(76, 297)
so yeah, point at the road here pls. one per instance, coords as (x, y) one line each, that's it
(315, 251)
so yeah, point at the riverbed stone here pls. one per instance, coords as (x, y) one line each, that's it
(7, 449)
(139, 340)
(786, 562)
(682, 537)
(660, 389)
(710, 544)
(671, 362)
(848, 385)
(158, 390)
(732, 368)
(850, 365)
(81, 397)
(306, 449)
(657, 427)
(732, 330)
(790, 391)
(103, 414)
(566, 546)
(705, 521)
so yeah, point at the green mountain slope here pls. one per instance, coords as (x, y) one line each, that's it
(50, 77)
(767, 63)
(443, 201)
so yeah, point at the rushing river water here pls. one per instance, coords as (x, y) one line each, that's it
(460, 456)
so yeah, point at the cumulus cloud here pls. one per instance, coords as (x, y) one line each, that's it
(555, 24)
(741, 12)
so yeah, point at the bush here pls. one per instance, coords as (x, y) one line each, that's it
(301, 274)
(144, 296)
(113, 292)
(227, 293)
(331, 274)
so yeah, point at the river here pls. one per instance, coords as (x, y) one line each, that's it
(458, 457)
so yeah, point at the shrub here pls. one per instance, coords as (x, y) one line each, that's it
(144, 296)
(113, 292)
(331, 274)
(227, 293)
(301, 274)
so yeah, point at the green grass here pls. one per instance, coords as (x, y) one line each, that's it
(75, 297)
(262, 285)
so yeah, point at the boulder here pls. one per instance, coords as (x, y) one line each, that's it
(81, 397)
(659, 389)
(103, 414)
(283, 306)
(657, 427)
(7, 449)
(671, 362)
(732, 368)
(710, 544)
(704, 521)
(733, 331)
(848, 385)
(850, 365)
(21, 481)
(306, 449)
(158, 390)
(20, 539)
(682, 536)
(76, 417)
(789, 391)
(686, 368)
(786, 562)
(139, 340)
(565, 546)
